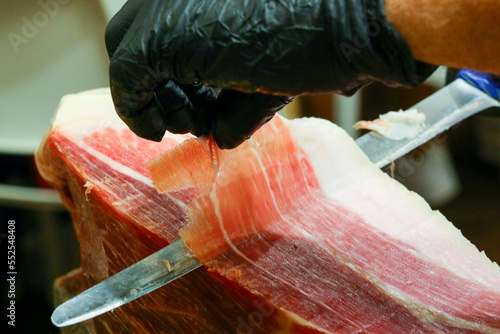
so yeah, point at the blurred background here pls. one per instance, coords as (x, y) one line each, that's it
(50, 48)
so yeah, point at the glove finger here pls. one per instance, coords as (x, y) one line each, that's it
(239, 115)
(151, 109)
(148, 124)
(132, 89)
(189, 107)
(203, 100)
(120, 23)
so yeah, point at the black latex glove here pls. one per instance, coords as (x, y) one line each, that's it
(166, 53)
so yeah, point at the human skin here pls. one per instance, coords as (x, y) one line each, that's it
(454, 33)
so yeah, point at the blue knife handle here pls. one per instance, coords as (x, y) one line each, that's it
(488, 83)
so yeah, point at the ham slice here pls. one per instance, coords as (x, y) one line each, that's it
(298, 232)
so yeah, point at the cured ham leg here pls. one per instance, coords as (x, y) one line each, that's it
(100, 169)
(298, 232)
(299, 216)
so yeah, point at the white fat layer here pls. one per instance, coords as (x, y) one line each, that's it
(386, 204)
(116, 165)
(94, 105)
(292, 318)
(396, 124)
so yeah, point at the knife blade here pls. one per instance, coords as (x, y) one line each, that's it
(152, 272)
(443, 109)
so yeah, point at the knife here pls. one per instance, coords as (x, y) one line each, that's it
(472, 92)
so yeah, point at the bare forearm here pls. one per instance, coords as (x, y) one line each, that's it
(456, 33)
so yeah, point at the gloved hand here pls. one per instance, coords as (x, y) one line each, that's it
(167, 54)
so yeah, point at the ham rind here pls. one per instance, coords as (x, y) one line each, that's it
(299, 216)
(100, 169)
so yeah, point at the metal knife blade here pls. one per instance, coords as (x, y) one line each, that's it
(443, 109)
(131, 283)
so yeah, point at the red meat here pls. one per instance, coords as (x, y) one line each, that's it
(99, 168)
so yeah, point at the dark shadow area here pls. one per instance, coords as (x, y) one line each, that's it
(45, 248)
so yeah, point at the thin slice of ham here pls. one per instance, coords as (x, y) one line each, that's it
(299, 216)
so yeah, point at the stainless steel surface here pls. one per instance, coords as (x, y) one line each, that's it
(443, 109)
(137, 280)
